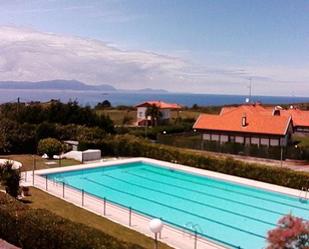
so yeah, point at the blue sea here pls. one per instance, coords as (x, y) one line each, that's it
(132, 98)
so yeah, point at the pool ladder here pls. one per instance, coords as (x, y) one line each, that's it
(192, 227)
(304, 194)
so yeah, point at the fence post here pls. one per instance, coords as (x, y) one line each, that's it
(63, 186)
(130, 216)
(195, 239)
(46, 183)
(104, 206)
(83, 194)
(33, 168)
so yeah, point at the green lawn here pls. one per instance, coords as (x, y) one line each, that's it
(40, 199)
(117, 116)
(27, 161)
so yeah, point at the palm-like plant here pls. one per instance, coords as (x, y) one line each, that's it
(154, 113)
(10, 178)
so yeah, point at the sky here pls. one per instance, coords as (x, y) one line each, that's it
(197, 46)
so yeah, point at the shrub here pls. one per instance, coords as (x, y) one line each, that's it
(10, 178)
(127, 145)
(38, 228)
(50, 146)
(291, 232)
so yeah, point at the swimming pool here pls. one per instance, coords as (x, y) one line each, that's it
(234, 215)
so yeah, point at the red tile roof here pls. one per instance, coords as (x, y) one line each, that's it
(160, 104)
(299, 117)
(257, 121)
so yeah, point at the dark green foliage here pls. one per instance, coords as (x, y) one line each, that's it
(126, 145)
(15, 137)
(50, 146)
(154, 132)
(104, 104)
(23, 126)
(45, 130)
(38, 228)
(55, 112)
(154, 113)
(10, 178)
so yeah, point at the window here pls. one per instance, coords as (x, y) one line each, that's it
(214, 137)
(274, 142)
(265, 141)
(224, 139)
(206, 136)
(255, 140)
(239, 139)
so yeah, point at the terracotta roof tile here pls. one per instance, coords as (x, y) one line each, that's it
(256, 121)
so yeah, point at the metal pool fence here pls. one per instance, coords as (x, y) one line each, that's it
(121, 213)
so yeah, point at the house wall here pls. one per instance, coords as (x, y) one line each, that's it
(141, 115)
(256, 139)
(141, 112)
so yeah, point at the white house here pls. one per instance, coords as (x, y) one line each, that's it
(165, 109)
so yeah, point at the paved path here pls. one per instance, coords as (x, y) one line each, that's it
(5, 245)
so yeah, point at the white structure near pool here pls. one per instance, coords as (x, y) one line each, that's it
(199, 208)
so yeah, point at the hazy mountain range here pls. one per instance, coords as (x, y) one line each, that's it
(67, 85)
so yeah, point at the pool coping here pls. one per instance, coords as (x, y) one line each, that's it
(171, 237)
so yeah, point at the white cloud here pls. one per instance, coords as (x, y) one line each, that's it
(30, 55)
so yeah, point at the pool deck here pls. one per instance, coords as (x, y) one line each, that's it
(170, 235)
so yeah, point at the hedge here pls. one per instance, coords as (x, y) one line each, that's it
(126, 145)
(38, 228)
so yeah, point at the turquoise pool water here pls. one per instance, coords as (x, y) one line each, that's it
(236, 215)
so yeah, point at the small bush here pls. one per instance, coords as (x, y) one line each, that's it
(50, 146)
(10, 178)
(291, 232)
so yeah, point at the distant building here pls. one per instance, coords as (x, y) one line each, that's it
(249, 124)
(300, 119)
(165, 109)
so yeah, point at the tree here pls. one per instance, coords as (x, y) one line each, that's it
(50, 146)
(10, 178)
(154, 113)
(16, 138)
(104, 104)
(291, 233)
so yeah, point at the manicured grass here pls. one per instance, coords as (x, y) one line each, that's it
(27, 161)
(40, 199)
(117, 116)
(184, 114)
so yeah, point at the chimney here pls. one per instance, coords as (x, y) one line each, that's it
(276, 111)
(244, 120)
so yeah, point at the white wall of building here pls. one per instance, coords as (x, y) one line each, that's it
(141, 112)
